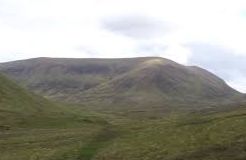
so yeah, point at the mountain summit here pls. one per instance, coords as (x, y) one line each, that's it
(128, 81)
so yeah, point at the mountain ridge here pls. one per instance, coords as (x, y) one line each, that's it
(127, 81)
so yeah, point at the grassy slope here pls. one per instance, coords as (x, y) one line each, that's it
(22, 109)
(34, 128)
(186, 136)
(197, 136)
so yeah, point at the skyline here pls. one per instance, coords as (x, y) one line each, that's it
(210, 34)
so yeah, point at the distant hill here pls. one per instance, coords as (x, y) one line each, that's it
(147, 81)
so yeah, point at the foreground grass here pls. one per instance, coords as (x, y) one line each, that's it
(48, 138)
(220, 136)
(84, 135)
(42, 143)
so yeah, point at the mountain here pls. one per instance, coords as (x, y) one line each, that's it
(32, 127)
(57, 77)
(128, 81)
(159, 82)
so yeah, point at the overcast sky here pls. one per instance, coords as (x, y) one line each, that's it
(208, 33)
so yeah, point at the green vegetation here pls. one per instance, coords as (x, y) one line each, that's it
(33, 128)
(188, 136)
(127, 115)
(219, 136)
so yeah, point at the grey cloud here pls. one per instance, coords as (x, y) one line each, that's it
(139, 27)
(219, 60)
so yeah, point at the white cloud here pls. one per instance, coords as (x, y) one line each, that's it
(222, 62)
(74, 28)
(139, 27)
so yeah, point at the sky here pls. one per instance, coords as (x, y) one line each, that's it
(207, 33)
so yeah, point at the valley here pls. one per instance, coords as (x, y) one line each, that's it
(122, 109)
